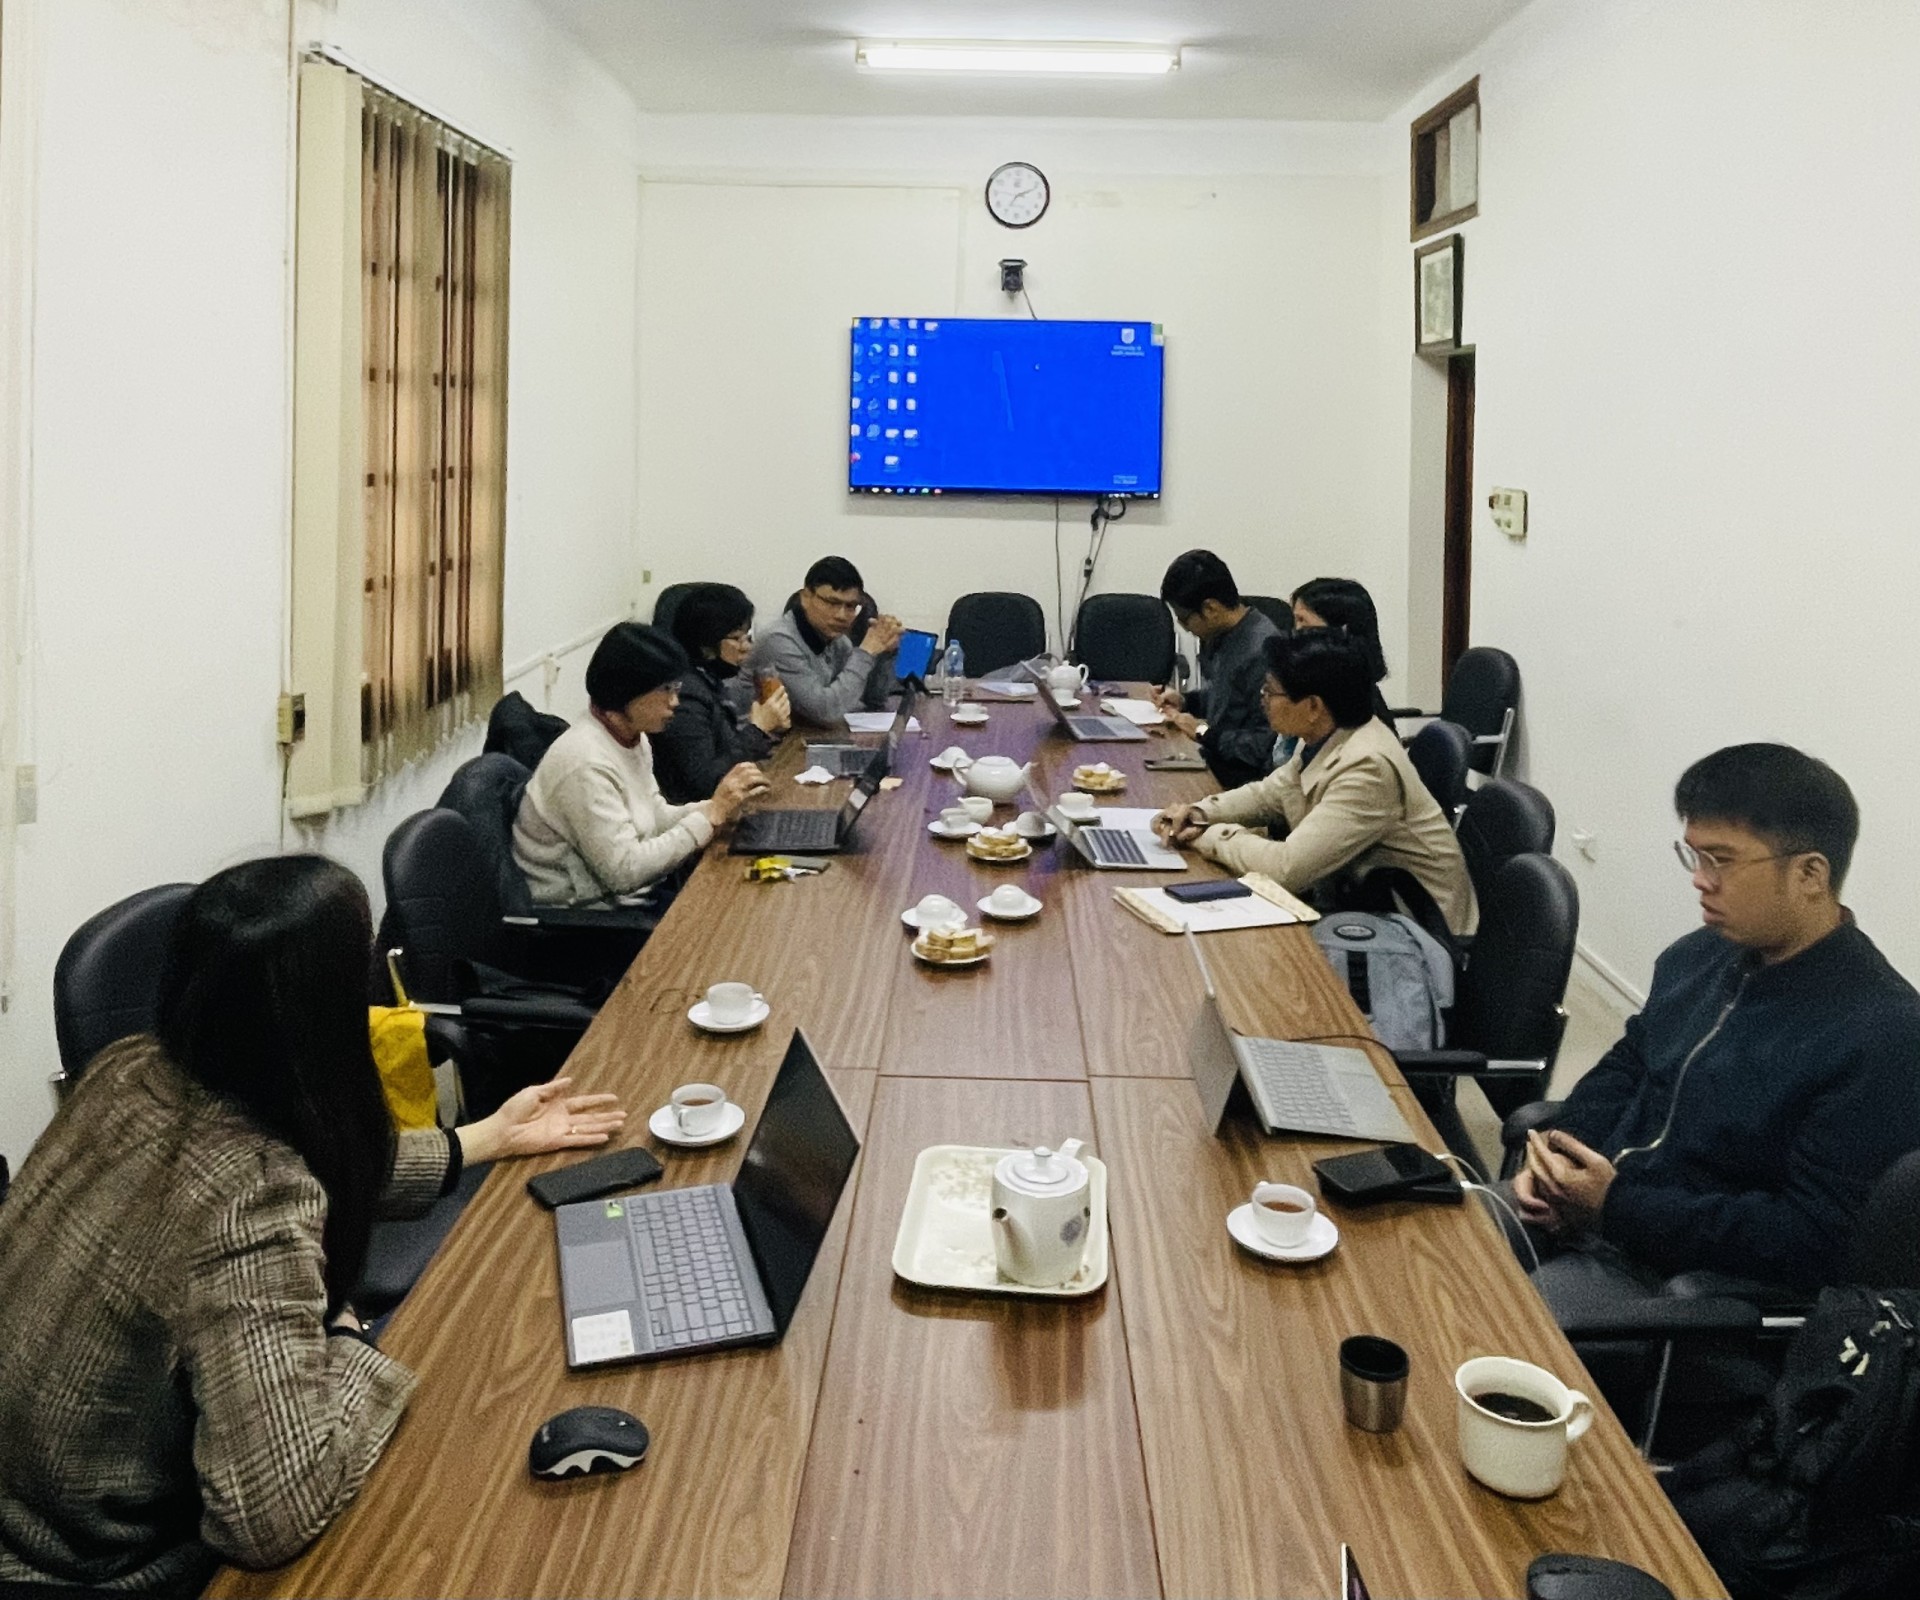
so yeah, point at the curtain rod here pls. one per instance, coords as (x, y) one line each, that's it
(339, 58)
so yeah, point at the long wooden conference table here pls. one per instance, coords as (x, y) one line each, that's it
(1178, 1432)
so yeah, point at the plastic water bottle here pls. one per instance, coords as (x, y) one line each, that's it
(953, 674)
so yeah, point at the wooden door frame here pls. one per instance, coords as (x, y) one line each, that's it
(1457, 556)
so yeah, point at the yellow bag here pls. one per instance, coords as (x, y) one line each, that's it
(399, 1036)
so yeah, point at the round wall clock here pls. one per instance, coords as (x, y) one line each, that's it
(1017, 194)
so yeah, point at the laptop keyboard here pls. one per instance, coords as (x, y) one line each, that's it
(1114, 845)
(1099, 727)
(1297, 1086)
(800, 830)
(692, 1282)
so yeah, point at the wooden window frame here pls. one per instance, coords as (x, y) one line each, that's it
(1418, 161)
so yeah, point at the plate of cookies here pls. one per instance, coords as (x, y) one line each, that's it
(1099, 778)
(998, 844)
(953, 947)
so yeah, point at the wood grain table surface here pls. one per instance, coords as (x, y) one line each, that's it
(1178, 1432)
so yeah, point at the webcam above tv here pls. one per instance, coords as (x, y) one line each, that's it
(972, 405)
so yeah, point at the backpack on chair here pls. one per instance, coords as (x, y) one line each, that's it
(1817, 1497)
(1400, 976)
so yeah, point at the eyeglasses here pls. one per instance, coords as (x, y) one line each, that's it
(1268, 692)
(1715, 868)
(847, 606)
(739, 636)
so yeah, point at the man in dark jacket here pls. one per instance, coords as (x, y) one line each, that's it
(1229, 715)
(1772, 1077)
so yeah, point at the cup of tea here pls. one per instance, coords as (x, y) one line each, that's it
(698, 1109)
(1373, 1382)
(729, 1003)
(956, 819)
(765, 684)
(1030, 824)
(1516, 1421)
(1009, 900)
(1282, 1214)
(937, 911)
(977, 806)
(1077, 807)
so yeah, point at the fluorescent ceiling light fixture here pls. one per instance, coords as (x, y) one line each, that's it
(1031, 56)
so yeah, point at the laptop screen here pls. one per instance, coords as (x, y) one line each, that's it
(792, 1176)
(1210, 1053)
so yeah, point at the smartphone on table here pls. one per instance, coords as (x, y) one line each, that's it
(1388, 1173)
(588, 1180)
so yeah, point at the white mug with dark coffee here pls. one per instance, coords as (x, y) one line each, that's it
(698, 1109)
(1516, 1421)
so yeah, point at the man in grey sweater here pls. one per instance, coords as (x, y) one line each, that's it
(1229, 718)
(825, 673)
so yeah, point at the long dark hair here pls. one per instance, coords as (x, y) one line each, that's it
(263, 1002)
(1342, 603)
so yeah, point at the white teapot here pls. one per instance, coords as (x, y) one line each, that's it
(1067, 680)
(1042, 1211)
(999, 778)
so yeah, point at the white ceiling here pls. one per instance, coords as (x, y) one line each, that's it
(1321, 60)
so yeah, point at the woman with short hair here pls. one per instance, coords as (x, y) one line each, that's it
(593, 824)
(182, 1379)
(1348, 797)
(708, 735)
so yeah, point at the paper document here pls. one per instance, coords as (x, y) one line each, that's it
(1005, 691)
(877, 722)
(1141, 713)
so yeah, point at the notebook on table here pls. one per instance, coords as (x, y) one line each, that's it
(673, 1271)
(1295, 1087)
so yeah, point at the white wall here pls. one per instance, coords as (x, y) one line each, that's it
(1255, 246)
(153, 554)
(1690, 288)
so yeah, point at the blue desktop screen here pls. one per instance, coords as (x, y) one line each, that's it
(944, 405)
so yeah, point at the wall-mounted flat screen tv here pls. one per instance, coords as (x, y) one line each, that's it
(959, 405)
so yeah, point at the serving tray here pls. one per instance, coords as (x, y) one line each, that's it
(946, 1238)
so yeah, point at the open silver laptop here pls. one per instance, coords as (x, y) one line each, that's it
(672, 1271)
(1295, 1088)
(1120, 849)
(1080, 726)
(850, 760)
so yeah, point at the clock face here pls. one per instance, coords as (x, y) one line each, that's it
(1017, 195)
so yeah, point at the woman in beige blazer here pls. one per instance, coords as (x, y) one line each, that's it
(1348, 800)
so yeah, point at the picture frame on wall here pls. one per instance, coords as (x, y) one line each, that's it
(1437, 272)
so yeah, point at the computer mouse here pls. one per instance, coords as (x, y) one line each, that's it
(587, 1439)
(1564, 1577)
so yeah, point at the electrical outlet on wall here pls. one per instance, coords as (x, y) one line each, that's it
(1509, 508)
(26, 794)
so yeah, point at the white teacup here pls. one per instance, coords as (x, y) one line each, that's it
(1078, 807)
(956, 819)
(977, 806)
(728, 1003)
(1524, 1456)
(698, 1109)
(953, 756)
(1282, 1214)
(1009, 900)
(937, 911)
(1030, 824)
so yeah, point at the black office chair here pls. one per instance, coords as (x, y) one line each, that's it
(106, 986)
(1125, 638)
(1279, 611)
(667, 602)
(1502, 819)
(997, 629)
(1507, 1021)
(106, 982)
(515, 728)
(1441, 753)
(1483, 696)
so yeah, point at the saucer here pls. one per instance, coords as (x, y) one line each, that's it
(662, 1126)
(937, 961)
(940, 830)
(1046, 833)
(1033, 910)
(944, 763)
(911, 917)
(702, 1018)
(1321, 1237)
(966, 718)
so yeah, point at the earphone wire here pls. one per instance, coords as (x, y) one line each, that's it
(1467, 1182)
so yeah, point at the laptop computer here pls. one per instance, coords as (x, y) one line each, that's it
(850, 760)
(671, 1271)
(813, 831)
(1080, 726)
(1295, 1088)
(1109, 848)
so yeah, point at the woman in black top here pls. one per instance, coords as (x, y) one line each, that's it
(709, 735)
(1342, 603)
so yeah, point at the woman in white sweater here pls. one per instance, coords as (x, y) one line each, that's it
(593, 824)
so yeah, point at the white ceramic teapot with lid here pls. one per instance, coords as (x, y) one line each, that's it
(999, 778)
(1041, 1214)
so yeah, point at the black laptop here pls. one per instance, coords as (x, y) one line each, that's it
(815, 831)
(673, 1271)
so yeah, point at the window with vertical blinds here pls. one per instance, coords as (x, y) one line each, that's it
(400, 420)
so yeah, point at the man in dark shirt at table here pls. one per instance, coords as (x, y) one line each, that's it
(1230, 718)
(1773, 1075)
